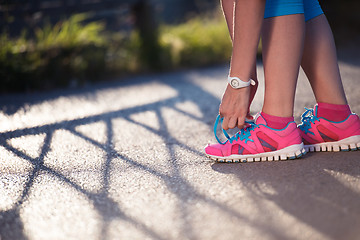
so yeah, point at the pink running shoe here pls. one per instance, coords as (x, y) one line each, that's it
(258, 142)
(320, 134)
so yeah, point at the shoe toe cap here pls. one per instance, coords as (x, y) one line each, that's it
(213, 149)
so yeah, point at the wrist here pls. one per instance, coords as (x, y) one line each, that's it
(238, 83)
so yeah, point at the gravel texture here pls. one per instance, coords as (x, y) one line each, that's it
(124, 160)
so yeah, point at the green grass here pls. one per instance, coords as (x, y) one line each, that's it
(74, 51)
(55, 56)
(198, 42)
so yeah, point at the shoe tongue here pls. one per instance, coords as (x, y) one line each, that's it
(260, 119)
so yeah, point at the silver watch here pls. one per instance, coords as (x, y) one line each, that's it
(236, 82)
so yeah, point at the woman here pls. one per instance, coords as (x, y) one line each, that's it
(294, 33)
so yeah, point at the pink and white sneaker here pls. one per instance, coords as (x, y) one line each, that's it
(257, 142)
(320, 134)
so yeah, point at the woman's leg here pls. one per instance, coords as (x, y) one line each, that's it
(319, 62)
(282, 45)
(330, 126)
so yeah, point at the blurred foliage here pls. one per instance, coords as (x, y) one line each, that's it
(70, 33)
(197, 42)
(55, 57)
(72, 52)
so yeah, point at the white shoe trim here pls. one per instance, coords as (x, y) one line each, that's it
(290, 152)
(346, 144)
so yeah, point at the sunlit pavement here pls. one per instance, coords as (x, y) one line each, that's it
(125, 161)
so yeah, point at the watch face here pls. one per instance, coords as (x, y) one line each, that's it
(234, 83)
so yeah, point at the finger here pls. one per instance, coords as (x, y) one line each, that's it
(240, 122)
(232, 122)
(225, 123)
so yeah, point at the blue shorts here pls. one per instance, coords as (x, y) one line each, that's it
(310, 8)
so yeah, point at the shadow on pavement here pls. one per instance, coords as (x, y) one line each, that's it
(307, 189)
(11, 226)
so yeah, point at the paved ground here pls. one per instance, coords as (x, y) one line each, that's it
(124, 161)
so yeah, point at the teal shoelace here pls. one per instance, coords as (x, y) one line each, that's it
(243, 134)
(307, 118)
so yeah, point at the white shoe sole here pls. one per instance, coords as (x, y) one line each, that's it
(290, 152)
(351, 143)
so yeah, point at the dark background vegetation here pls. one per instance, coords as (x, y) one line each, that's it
(46, 43)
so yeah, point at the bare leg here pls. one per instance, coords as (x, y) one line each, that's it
(319, 62)
(282, 40)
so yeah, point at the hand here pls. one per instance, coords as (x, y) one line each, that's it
(234, 107)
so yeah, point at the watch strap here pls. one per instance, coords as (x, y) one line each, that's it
(236, 82)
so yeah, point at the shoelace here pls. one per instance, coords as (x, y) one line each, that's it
(243, 134)
(307, 118)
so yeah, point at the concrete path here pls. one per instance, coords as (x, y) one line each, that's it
(125, 161)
